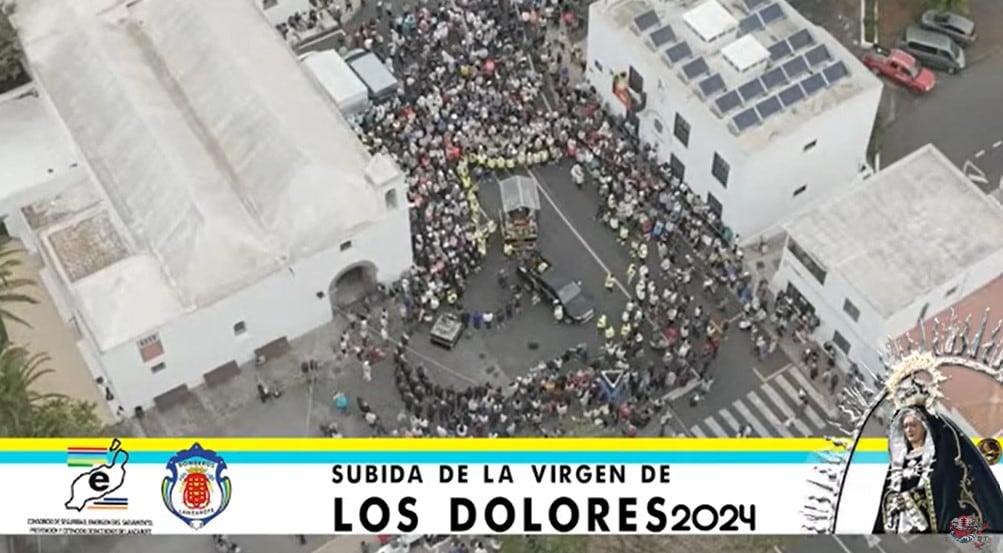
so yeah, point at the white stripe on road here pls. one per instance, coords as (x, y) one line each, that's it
(697, 432)
(812, 392)
(770, 417)
(786, 409)
(751, 419)
(714, 427)
(841, 544)
(808, 410)
(578, 235)
(730, 420)
(997, 144)
(979, 154)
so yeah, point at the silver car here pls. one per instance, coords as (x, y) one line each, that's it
(960, 29)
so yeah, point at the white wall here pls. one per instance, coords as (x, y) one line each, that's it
(762, 180)
(284, 304)
(868, 334)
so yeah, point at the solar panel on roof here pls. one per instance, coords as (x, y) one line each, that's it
(780, 50)
(678, 52)
(711, 84)
(695, 68)
(768, 107)
(818, 55)
(795, 67)
(663, 36)
(773, 78)
(746, 119)
(646, 20)
(771, 13)
(749, 24)
(753, 4)
(728, 101)
(813, 84)
(836, 72)
(751, 90)
(801, 39)
(791, 95)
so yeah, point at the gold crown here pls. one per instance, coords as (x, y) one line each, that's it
(915, 381)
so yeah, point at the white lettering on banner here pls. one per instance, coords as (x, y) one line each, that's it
(489, 499)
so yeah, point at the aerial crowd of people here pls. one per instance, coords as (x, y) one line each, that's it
(487, 86)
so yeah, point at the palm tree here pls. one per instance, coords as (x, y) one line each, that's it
(20, 370)
(11, 70)
(11, 286)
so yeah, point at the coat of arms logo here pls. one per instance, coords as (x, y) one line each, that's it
(196, 491)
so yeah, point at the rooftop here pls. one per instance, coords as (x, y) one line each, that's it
(33, 148)
(758, 65)
(210, 159)
(908, 229)
(976, 397)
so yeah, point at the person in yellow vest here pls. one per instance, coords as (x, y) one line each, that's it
(541, 267)
(508, 249)
(490, 163)
(521, 159)
(625, 330)
(452, 297)
(610, 333)
(492, 227)
(482, 247)
(609, 283)
(601, 323)
(624, 233)
(631, 273)
(510, 163)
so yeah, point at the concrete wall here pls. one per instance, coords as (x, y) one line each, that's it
(284, 304)
(763, 177)
(869, 333)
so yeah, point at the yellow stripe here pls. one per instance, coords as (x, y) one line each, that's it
(223, 445)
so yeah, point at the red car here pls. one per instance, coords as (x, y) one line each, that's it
(901, 68)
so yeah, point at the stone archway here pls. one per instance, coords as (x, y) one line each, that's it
(352, 284)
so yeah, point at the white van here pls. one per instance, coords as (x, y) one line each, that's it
(381, 82)
(333, 75)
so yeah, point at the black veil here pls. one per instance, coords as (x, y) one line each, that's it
(960, 483)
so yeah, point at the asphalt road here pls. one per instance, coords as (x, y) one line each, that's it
(961, 116)
(887, 544)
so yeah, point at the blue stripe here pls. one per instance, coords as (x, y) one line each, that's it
(112, 501)
(473, 457)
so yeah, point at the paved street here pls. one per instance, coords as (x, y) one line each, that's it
(961, 115)
(885, 544)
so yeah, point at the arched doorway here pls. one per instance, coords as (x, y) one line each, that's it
(352, 285)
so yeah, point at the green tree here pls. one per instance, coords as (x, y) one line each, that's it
(957, 6)
(24, 412)
(11, 70)
(11, 286)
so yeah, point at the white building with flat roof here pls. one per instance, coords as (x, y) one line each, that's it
(211, 203)
(890, 251)
(758, 110)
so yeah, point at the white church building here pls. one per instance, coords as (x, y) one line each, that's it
(211, 204)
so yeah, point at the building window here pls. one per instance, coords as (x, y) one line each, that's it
(390, 199)
(800, 190)
(150, 347)
(681, 130)
(951, 291)
(720, 169)
(715, 205)
(635, 81)
(269, 3)
(677, 168)
(851, 310)
(597, 65)
(841, 342)
(658, 126)
(239, 328)
(802, 256)
(346, 245)
(809, 145)
(158, 367)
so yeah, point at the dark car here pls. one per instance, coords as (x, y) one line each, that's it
(933, 50)
(960, 29)
(578, 305)
(447, 330)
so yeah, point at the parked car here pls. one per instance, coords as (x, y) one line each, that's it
(933, 50)
(901, 68)
(578, 306)
(446, 330)
(960, 29)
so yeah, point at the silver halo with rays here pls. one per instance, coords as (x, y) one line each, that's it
(954, 342)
